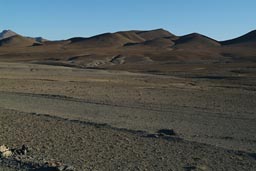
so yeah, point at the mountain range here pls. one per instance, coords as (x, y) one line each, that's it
(128, 49)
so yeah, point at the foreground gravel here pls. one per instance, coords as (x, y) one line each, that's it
(89, 146)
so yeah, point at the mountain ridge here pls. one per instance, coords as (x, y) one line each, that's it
(132, 49)
(141, 34)
(5, 34)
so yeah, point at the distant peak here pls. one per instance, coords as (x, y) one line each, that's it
(154, 34)
(159, 29)
(6, 34)
(8, 31)
(195, 34)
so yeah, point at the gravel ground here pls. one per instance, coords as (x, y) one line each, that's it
(107, 120)
(89, 146)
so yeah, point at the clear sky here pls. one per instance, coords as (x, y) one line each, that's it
(62, 19)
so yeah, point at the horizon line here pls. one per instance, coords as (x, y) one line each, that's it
(129, 30)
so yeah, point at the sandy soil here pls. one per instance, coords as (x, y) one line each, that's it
(100, 120)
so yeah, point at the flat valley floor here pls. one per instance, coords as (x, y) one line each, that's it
(109, 120)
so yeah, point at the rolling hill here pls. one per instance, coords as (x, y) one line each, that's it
(196, 40)
(17, 41)
(135, 49)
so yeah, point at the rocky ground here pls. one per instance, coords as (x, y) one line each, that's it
(112, 120)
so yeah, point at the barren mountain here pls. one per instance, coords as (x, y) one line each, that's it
(17, 41)
(134, 50)
(6, 34)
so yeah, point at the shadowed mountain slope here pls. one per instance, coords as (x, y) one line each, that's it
(249, 38)
(17, 41)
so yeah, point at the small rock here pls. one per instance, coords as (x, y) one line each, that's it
(152, 136)
(6, 154)
(24, 149)
(17, 158)
(3, 148)
(189, 168)
(61, 168)
(69, 168)
(65, 168)
(54, 164)
(168, 132)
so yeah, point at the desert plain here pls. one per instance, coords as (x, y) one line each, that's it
(120, 113)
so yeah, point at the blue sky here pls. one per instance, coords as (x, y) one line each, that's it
(62, 19)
